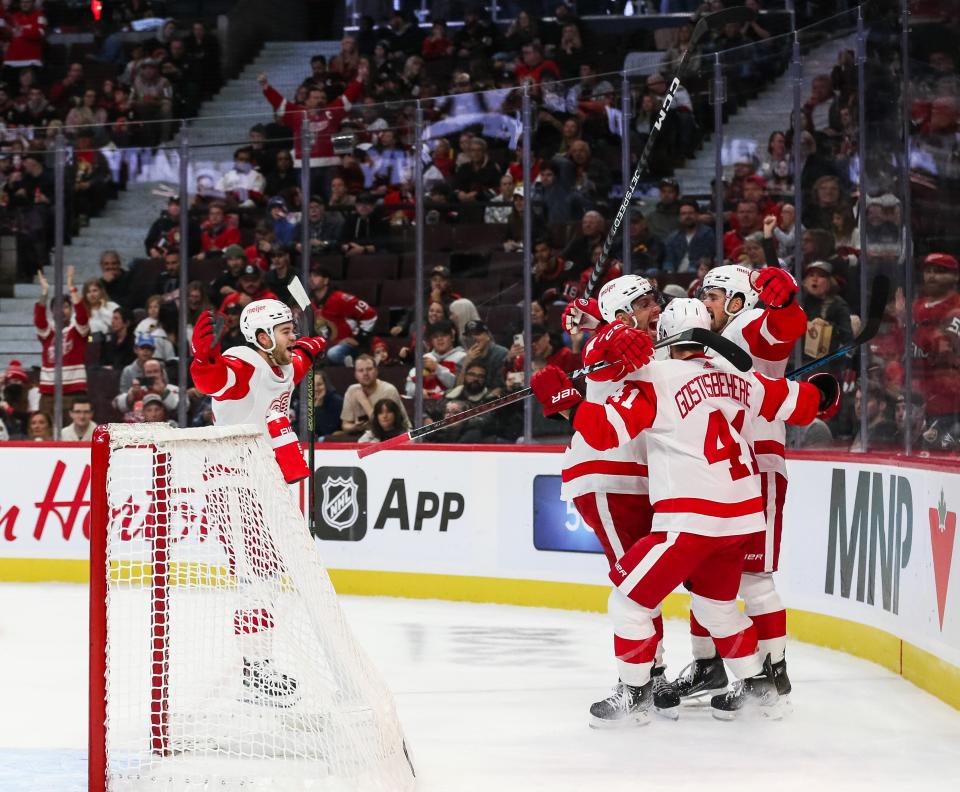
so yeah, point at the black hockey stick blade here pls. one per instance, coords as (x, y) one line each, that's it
(738, 357)
(879, 297)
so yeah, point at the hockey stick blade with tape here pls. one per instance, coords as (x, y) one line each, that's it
(724, 347)
(714, 21)
(878, 305)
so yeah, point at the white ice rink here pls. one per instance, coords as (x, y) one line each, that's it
(495, 698)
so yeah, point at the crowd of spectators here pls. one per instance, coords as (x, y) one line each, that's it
(103, 98)
(246, 229)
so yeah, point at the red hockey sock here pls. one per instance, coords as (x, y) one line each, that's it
(770, 625)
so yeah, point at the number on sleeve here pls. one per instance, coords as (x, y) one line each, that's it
(720, 444)
(627, 402)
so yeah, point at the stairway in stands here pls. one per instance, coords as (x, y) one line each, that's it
(753, 123)
(125, 221)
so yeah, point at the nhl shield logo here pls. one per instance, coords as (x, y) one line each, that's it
(342, 504)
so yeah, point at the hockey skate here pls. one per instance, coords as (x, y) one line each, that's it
(701, 680)
(263, 684)
(666, 701)
(626, 706)
(757, 693)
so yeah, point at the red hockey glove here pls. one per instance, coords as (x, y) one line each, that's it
(286, 448)
(581, 314)
(203, 344)
(554, 390)
(776, 287)
(829, 395)
(312, 347)
(624, 348)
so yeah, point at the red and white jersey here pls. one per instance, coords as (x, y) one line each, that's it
(28, 32)
(341, 316)
(444, 376)
(622, 469)
(246, 389)
(768, 335)
(697, 418)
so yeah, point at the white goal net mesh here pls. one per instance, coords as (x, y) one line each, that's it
(229, 662)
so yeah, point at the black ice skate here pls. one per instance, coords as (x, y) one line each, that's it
(263, 684)
(701, 680)
(781, 678)
(626, 706)
(757, 693)
(666, 700)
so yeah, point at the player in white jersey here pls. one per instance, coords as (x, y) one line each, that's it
(731, 293)
(253, 385)
(696, 414)
(609, 488)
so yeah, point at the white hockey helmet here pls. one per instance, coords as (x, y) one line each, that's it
(263, 315)
(682, 313)
(735, 280)
(620, 294)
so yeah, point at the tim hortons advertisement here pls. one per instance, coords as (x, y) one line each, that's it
(872, 543)
(45, 501)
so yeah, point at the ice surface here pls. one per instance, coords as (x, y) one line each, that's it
(495, 698)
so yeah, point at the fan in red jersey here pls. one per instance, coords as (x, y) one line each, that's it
(252, 385)
(936, 338)
(696, 416)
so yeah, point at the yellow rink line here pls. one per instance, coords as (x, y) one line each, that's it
(925, 670)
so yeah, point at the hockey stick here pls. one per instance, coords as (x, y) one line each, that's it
(299, 294)
(875, 311)
(714, 21)
(726, 348)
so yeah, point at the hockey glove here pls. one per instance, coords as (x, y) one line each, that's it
(204, 345)
(624, 348)
(311, 346)
(554, 390)
(829, 395)
(286, 448)
(581, 314)
(776, 287)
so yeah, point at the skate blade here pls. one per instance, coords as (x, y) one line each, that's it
(637, 719)
(702, 698)
(751, 712)
(670, 713)
(272, 702)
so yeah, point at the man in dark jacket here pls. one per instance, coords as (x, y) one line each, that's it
(690, 242)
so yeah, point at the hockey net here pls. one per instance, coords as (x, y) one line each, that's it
(220, 657)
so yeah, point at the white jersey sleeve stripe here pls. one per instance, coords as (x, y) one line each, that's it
(231, 381)
(616, 421)
(789, 402)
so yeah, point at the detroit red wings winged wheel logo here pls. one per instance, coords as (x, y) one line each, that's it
(943, 529)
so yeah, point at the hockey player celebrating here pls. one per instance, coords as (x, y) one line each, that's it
(730, 294)
(696, 416)
(252, 385)
(609, 488)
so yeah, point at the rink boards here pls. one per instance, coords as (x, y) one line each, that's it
(866, 560)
